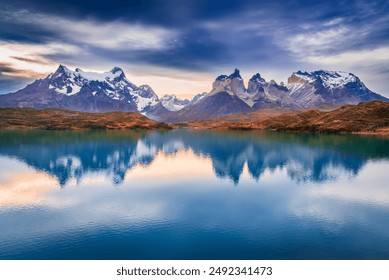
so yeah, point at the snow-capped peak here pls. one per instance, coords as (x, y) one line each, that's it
(100, 77)
(86, 76)
(61, 70)
(112, 84)
(329, 79)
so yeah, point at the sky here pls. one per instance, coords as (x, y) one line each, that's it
(179, 47)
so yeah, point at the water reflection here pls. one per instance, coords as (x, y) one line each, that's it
(305, 157)
(176, 199)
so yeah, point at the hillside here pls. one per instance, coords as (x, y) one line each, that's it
(60, 119)
(366, 118)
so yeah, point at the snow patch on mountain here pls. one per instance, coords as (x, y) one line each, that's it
(198, 97)
(113, 84)
(173, 103)
(143, 102)
(115, 73)
(329, 79)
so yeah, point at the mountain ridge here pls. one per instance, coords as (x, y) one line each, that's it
(84, 91)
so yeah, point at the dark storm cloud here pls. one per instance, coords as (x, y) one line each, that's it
(21, 32)
(194, 50)
(200, 35)
(197, 43)
(166, 12)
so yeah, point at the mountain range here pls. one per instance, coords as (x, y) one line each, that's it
(83, 91)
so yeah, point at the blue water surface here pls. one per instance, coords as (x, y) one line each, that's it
(185, 194)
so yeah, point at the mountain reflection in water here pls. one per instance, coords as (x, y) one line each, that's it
(184, 194)
(305, 157)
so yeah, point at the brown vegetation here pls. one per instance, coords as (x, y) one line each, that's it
(364, 118)
(28, 118)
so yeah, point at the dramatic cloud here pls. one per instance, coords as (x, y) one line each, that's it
(197, 38)
(114, 35)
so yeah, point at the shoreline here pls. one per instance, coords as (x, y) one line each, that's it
(369, 118)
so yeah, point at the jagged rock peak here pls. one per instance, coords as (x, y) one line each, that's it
(236, 74)
(222, 78)
(116, 69)
(62, 69)
(257, 78)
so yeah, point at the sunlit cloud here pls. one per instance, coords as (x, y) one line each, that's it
(32, 58)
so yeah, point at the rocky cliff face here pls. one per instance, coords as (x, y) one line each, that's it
(232, 84)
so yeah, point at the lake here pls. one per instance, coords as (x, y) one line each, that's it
(184, 194)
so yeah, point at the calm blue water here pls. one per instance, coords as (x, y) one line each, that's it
(193, 195)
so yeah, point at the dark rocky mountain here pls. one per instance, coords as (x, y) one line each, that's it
(211, 106)
(159, 112)
(198, 97)
(168, 106)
